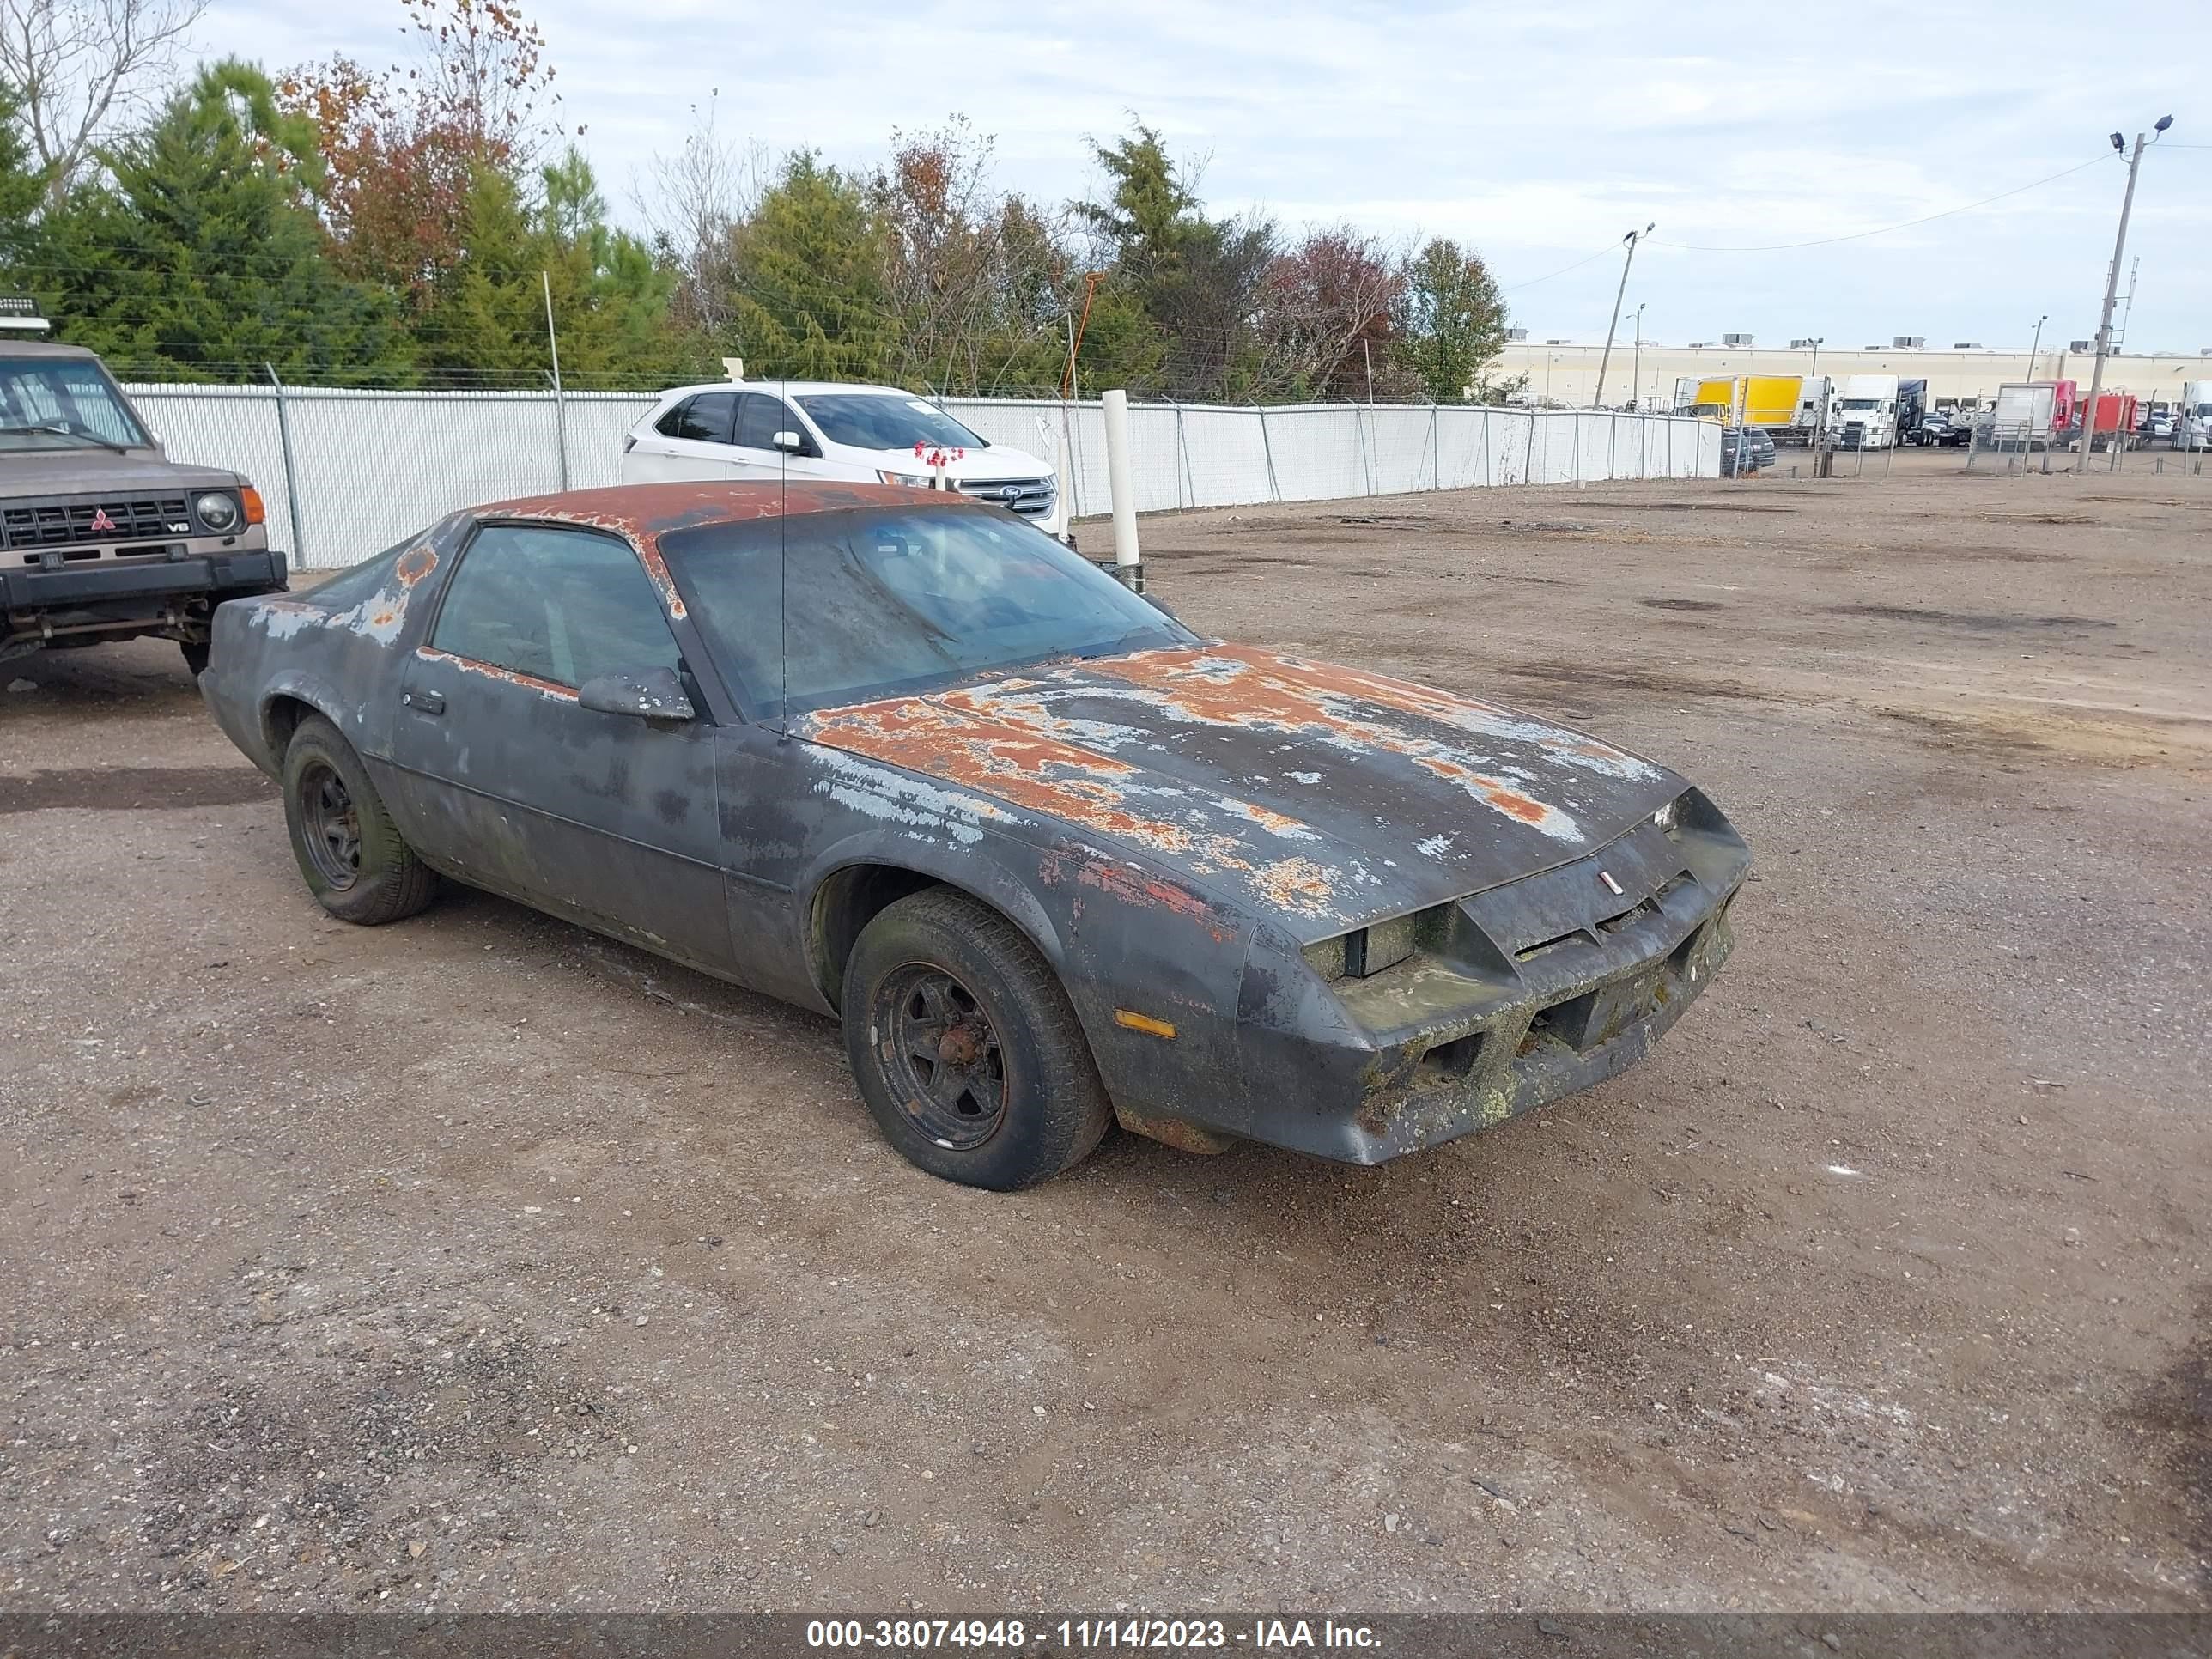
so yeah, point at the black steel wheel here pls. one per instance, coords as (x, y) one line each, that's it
(356, 862)
(947, 1067)
(331, 823)
(966, 1048)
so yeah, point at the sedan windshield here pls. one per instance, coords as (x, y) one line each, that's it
(62, 403)
(889, 600)
(877, 419)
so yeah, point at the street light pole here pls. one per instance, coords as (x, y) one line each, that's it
(2113, 292)
(1636, 365)
(2036, 346)
(1597, 398)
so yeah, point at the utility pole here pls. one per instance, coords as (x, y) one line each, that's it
(2036, 345)
(2112, 290)
(1369, 357)
(1597, 398)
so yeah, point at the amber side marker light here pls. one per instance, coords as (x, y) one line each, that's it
(1145, 1023)
(255, 513)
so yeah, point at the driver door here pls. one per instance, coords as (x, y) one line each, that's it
(509, 783)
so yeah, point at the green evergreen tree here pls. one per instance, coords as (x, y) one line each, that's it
(203, 259)
(809, 300)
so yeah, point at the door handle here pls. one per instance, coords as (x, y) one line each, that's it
(428, 702)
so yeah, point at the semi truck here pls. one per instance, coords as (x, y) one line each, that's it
(1874, 410)
(2192, 429)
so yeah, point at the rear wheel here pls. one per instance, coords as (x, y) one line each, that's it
(355, 860)
(964, 1047)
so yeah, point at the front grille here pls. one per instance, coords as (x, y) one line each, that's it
(1032, 497)
(94, 523)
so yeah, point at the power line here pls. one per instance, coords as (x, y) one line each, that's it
(1884, 230)
(1515, 287)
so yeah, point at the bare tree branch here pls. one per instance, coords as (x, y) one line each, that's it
(79, 64)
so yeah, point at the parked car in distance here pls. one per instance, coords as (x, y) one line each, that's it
(102, 537)
(1943, 429)
(817, 432)
(1054, 859)
(1745, 451)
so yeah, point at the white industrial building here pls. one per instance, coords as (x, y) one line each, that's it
(1565, 372)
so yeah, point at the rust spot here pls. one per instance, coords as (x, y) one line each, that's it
(415, 563)
(1138, 888)
(1494, 791)
(1171, 1131)
(469, 665)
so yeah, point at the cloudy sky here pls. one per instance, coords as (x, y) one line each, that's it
(1538, 134)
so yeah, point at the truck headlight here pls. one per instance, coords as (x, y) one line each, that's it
(217, 512)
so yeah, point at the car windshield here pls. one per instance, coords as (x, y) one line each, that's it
(889, 600)
(62, 403)
(882, 420)
(1860, 403)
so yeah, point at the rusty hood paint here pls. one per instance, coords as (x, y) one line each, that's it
(1326, 796)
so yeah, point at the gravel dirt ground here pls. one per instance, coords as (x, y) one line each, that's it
(476, 1263)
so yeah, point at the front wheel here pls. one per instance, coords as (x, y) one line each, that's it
(356, 862)
(964, 1047)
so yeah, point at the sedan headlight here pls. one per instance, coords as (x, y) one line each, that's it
(218, 512)
(1371, 949)
(1669, 817)
(906, 478)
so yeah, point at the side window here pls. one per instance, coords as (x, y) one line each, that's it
(556, 604)
(708, 417)
(760, 418)
(671, 425)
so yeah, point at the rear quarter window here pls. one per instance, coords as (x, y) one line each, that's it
(349, 587)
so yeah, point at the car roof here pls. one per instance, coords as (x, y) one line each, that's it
(42, 348)
(645, 512)
(795, 388)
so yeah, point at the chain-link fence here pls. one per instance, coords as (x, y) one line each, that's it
(2013, 448)
(346, 472)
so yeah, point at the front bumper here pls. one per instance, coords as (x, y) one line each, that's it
(1540, 987)
(153, 585)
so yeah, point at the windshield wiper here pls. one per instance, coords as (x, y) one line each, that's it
(57, 429)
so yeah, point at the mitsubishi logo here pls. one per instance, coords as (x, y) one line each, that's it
(100, 520)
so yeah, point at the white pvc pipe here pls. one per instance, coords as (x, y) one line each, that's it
(1118, 480)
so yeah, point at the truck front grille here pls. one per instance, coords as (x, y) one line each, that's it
(38, 525)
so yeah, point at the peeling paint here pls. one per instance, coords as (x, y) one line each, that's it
(507, 675)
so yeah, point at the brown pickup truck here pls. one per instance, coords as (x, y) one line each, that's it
(101, 536)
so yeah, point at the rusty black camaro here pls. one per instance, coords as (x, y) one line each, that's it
(1054, 859)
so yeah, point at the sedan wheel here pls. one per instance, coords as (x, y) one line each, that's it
(352, 855)
(964, 1046)
(944, 1056)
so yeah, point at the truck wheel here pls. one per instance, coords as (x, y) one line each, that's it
(964, 1046)
(355, 864)
(195, 657)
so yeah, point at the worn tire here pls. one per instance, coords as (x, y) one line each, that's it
(389, 882)
(1055, 1109)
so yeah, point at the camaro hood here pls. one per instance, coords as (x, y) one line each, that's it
(1325, 795)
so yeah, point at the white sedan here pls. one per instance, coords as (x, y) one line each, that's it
(758, 431)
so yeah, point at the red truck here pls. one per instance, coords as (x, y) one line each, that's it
(2114, 427)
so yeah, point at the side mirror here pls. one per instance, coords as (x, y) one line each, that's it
(651, 694)
(790, 442)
